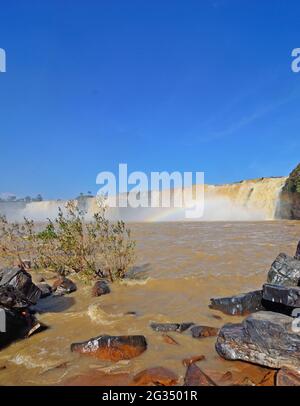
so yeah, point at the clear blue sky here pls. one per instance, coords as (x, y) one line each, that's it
(158, 84)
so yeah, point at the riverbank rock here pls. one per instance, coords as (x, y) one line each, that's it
(16, 325)
(297, 255)
(242, 304)
(100, 288)
(63, 286)
(11, 298)
(204, 331)
(45, 289)
(287, 377)
(168, 327)
(263, 338)
(285, 271)
(112, 348)
(282, 295)
(196, 377)
(21, 281)
(157, 376)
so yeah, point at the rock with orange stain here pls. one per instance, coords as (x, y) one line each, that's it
(112, 348)
(288, 377)
(204, 331)
(268, 379)
(158, 376)
(63, 286)
(197, 358)
(196, 377)
(169, 340)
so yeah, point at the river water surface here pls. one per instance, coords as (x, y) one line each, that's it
(180, 266)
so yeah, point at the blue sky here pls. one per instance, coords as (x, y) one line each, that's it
(160, 85)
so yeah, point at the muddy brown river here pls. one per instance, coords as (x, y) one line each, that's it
(179, 266)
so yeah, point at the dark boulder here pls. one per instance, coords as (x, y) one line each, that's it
(16, 325)
(297, 256)
(11, 298)
(204, 331)
(21, 281)
(45, 289)
(282, 299)
(242, 304)
(63, 286)
(285, 271)
(167, 327)
(287, 377)
(196, 377)
(264, 338)
(112, 348)
(100, 288)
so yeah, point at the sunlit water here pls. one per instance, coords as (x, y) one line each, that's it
(180, 267)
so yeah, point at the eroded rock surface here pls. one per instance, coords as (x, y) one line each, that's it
(242, 304)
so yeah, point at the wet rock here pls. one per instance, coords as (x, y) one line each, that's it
(285, 271)
(281, 299)
(196, 377)
(263, 338)
(158, 376)
(226, 377)
(197, 358)
(268, 379)
(288, 377)
(100, 288)
(15, 325)
(112, 348)
(45, 289)
(297, 255)
(63, 286)
(21, 281)
(204, 331)
(242, 304)
(11, 298)
(165, 327)
(169, 340)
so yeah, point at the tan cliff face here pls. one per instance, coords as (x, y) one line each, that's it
(249, 200)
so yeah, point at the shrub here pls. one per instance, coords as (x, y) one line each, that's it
(70, 244)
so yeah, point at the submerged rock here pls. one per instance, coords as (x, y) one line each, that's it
(204, 331)
(158, 376)
(196, 377)
(169, 340)
(196, 358)
(264, 338)
(287, 377)
(63, 286)
(242, 304)
(285, 271)
(165, 327)
(100, 288)
(112, 348)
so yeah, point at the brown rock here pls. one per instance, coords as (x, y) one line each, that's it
(100, 288)
(268, 379)
(188, 361)
(204, 331)
(158, 376)
(287, 377)
(226, 377)
(196, 377)
(112, 348)
(63, 286)
(169, 340)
